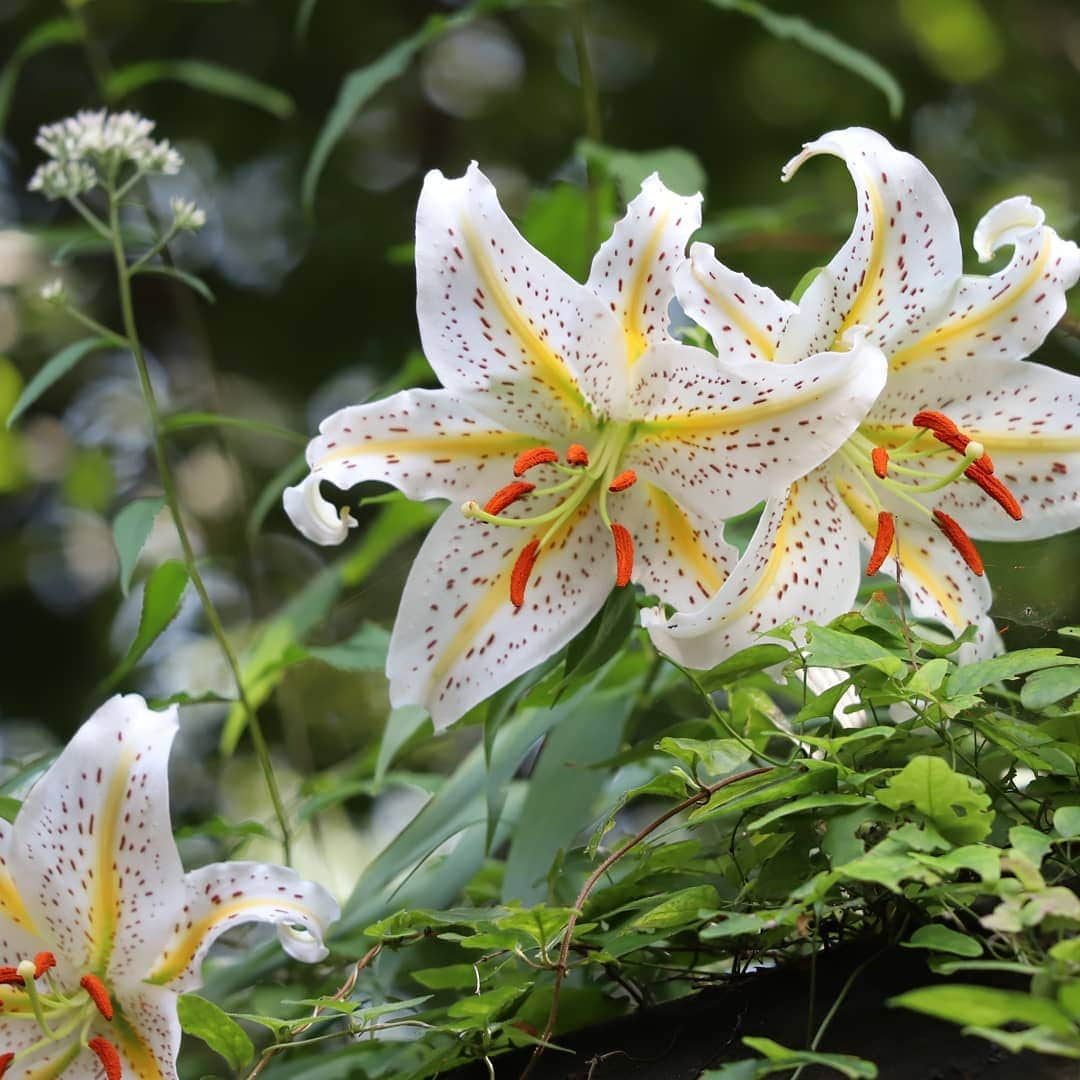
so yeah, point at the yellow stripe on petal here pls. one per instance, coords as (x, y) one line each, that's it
(55, 1068)
(868, 284)
(446, 446)
(549, 365)
(105, 895)
(912, 562)
(777, 560)
(949, 332)
(676, 525)
(736, 315)
(636, 339)
(994, 441)
(135, 1050)
(11, 904)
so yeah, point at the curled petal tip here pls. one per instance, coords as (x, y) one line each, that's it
(1006, 223)
(316, 518)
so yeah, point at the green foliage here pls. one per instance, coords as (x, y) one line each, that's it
(131, 528)
(52, 372)
(217, 1029)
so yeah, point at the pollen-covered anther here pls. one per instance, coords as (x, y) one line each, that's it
(42, 963)
(936, 422)
(624, 554)
(993, 487)
(519, 576)
(9, 976)
(879, 458)
(507, 495)
(529, 459)
(95, 988)
(108, 1056)
(5, 1061)
(627, 478)
(960, 540)
(576, 454)
(883, 542)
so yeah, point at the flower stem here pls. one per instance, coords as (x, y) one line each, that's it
(593, 130)
(262, 752)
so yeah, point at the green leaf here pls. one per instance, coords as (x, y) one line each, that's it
(559, 802)
(192, 281)
(953, 802)
(716, 757)
(839, 649)
(9, 807)
(217, 1029)
(364, 651)
(942, 939)
(53, 371)
(131, 527)
(303, 19)
(401, 725)
(765, 788)
(1050, 686)
(926, 680)
(162, 594)
(46, 35)
(450, 977)
(852, 1067)
(606, 633)
(200, 75)
(745, 662)
(794, 28)
(185, 421)
(680, 909)
(1067, 821)
(679, 169)
(808, 802)
(984, 1006)
(982, 673)
(364, 83)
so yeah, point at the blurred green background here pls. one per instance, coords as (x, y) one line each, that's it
(314, 311)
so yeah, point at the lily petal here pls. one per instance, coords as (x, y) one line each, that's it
(457, 637)
(720, 436)
(1007, 314)
(19, 939)
(678, 555)
(224, 895)
(896, 272)
(1026, 415)
(425, 442)
(503, 326)
(94, 835)
(938, 583)
(634, 271)
(146, 1032)
(802, 563)
(744, 320)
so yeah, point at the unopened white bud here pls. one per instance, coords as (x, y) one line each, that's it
(186, 215)
(53, 292)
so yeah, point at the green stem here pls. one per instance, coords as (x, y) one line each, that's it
(262, 752)
(591, 100)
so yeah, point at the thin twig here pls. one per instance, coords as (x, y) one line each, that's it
(701, 796)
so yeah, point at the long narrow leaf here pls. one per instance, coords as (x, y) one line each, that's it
(184, 421)
(53, 371)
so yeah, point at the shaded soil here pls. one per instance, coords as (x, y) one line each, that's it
(679, 1040)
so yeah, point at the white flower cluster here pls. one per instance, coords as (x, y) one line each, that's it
(186, 214)
(90, 145)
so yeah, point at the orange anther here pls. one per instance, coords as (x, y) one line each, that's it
(10, 976)
(42, 962)
(880, 458)
(959, 540)
(529, 459)
(627, 478)
(519, 576)
(507, 495)
(576, 454)
(98, 994)
(883, 542)
(624, 555)
(995, 489)
(936, 422)
(108, 1057)
(5, 1061)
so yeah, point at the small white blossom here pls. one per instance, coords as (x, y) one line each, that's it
(186, 214)
(92, 145)
(53, 292)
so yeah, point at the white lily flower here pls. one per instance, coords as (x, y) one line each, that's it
(100, 928)
(640, 445)
(967, 439)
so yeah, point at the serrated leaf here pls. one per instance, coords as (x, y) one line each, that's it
(973, 677)
(52, 372)
(162, 595)
(131, 528)
(797, 29)
(942, 939)
(200, 75)
(950, 800)
(681, 908)
(216, 1028)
